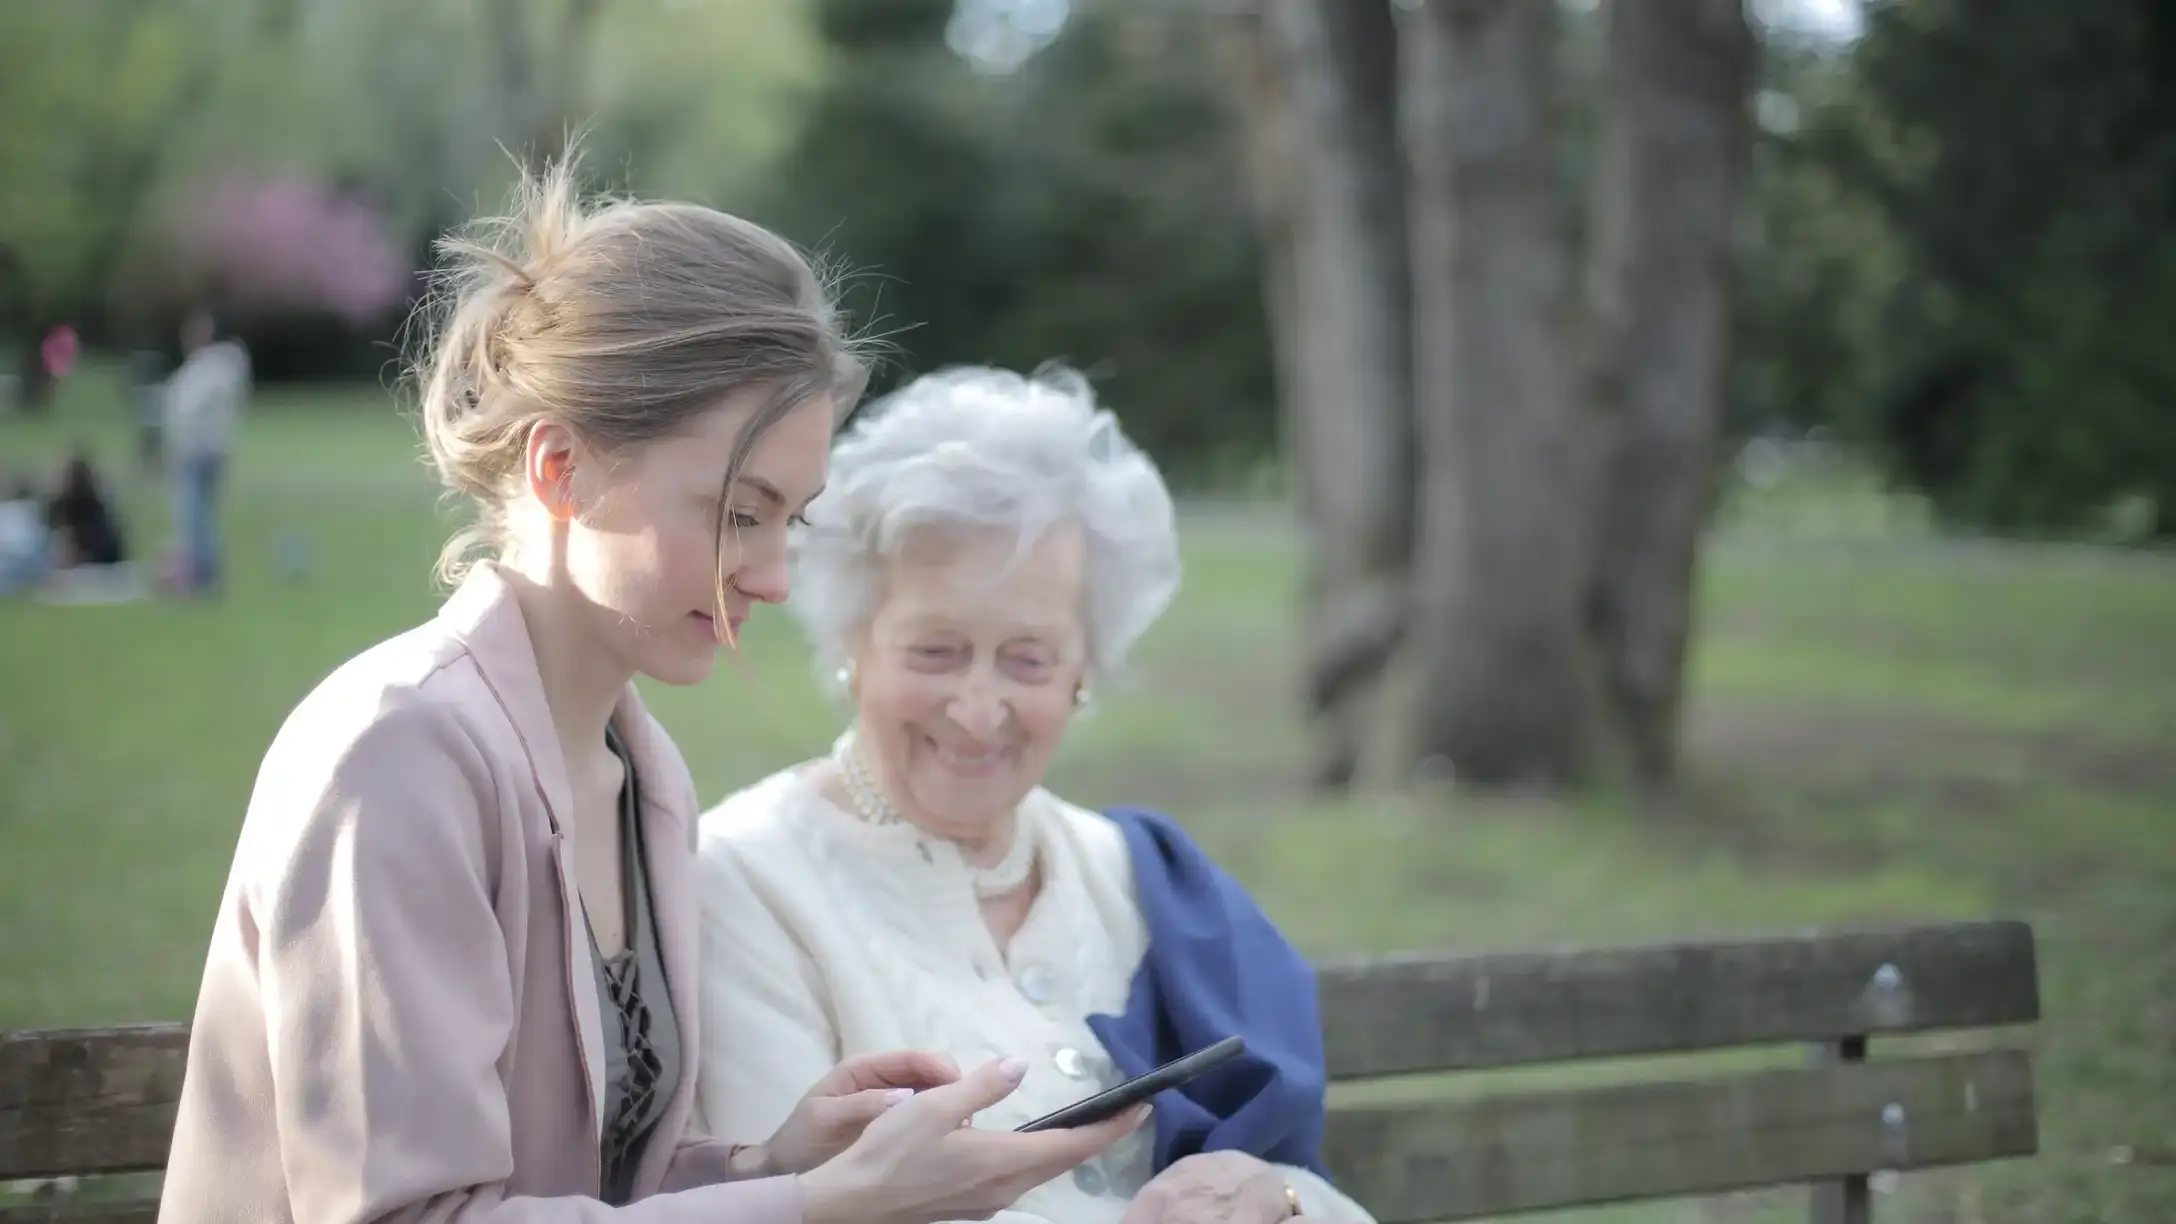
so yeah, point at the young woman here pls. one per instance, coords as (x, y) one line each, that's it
(453, 974)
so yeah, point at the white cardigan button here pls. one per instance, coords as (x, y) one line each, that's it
(1090, 1179)
(1036, 984)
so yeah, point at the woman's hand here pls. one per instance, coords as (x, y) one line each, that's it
(841, 1106)
(920, 1162)
(1213, 1188)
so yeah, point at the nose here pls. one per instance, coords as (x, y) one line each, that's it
(767, 578)
(978, 708)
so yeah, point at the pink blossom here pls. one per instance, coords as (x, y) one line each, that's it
(290, 243)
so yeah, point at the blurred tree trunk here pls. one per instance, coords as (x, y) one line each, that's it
(1499, 640)
(1262, 98)
(1672, 146)
(1348, 333)
(542, 65)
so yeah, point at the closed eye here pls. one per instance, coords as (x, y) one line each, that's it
(1028, 667)
(927, 658)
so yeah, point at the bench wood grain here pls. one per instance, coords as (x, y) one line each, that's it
(88, 1100)
(1470, 1012)
(98, 1101)
(140, 1211)
(1538, 1151)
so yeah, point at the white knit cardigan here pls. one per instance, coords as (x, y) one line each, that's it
(825, 936)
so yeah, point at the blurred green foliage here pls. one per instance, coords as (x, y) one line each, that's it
(1964, 257)
(1956, 249)
(1089, 209)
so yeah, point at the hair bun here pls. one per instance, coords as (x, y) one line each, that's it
(608, 320)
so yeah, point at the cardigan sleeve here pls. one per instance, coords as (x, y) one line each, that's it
(700, 1159)
(767, 1034)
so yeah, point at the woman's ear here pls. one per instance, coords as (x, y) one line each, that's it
(548, 469)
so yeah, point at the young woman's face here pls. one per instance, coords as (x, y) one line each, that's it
(645, 552)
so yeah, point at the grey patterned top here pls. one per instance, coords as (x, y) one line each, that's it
(642, 1043)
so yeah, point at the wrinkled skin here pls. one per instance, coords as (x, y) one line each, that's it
(1213, 1188)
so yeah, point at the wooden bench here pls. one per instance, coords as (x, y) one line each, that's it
(101, 1101)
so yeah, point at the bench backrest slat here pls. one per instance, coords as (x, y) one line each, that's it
(136, 1211)
(102, 1100)
(88, 1100)
(1446, 1013)
(1544, 1151)
(131, 1212)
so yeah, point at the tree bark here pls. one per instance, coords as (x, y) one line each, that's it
(513, 61)
(1349, 391)
(1501, 555)
(542, 72)
(1670, 160)
(1262, 98)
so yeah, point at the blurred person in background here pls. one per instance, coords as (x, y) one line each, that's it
(987, 546)
(26, 549)
(59, 350)
(90, 545)
(204, 399)
(41, 367)
(85, 524)
(453, 973)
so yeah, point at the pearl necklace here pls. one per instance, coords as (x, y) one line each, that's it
(871, 806)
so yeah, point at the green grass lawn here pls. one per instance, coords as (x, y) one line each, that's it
(1881, 730)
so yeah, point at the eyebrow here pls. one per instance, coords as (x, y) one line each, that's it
(770, 491)
(766, 488)
(940, 622)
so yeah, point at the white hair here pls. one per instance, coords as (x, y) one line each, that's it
(974, 447)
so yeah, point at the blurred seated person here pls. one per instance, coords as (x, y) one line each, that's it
(987, 546)
(90, 550)
(26, 549)
(86, 529)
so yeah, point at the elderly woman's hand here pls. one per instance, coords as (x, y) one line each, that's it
(1213, 1188)
(843, 1104)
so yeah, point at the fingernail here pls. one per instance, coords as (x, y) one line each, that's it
(1014, 1069)
(897, 1096)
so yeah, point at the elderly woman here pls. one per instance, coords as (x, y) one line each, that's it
(990, 545)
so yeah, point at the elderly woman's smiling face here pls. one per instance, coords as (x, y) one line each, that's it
(969, 671)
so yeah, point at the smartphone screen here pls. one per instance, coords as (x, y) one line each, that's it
(1114, 1101)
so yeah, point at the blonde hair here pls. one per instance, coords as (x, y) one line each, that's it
(622, 321)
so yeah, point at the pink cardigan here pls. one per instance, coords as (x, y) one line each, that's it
(397, 1021)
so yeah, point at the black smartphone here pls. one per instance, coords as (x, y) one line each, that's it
(1114, 1101)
